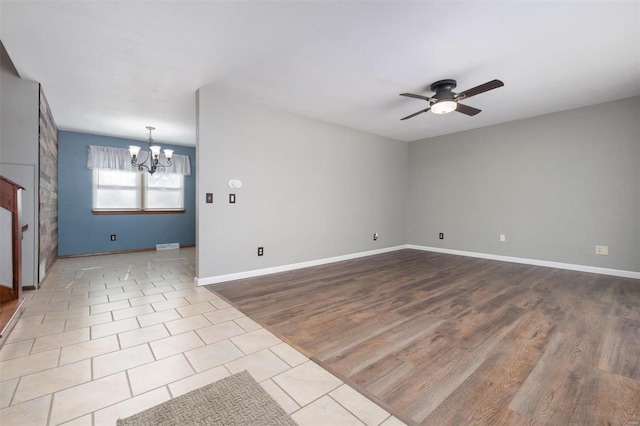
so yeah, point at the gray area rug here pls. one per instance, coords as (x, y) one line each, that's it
(235, 400)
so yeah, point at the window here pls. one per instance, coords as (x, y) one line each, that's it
(116, 189)
(119, 191)
(163, 191)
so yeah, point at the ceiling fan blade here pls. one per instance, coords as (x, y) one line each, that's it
(417, 113)
(466, 109)
(424, 98)
(489, 85)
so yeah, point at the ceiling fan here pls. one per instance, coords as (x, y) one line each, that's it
(445, 100)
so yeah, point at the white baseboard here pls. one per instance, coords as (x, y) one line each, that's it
(569, 266)
(273, 270)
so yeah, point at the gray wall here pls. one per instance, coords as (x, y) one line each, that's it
(19, 115)
(311, 190)
(556, 185)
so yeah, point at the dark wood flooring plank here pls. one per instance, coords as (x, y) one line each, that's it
(553, 388)
(445, 370)
(620, 348)
(484, 397)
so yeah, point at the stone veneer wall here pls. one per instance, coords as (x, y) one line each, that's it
(48, 193)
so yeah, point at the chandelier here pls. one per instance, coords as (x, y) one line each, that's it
(153, 157)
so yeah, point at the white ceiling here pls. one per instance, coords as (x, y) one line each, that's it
(114, 67)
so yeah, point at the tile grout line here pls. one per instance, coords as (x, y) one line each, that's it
(50, 411)
(316, 399)
(351, 412)
(287, 393)
(130, 386)
(15, 390)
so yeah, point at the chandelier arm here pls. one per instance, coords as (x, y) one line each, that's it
(151, 167)
(134, 160)
(162, 166)
(141, 167)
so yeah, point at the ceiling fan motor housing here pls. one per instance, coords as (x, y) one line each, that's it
(444, 89)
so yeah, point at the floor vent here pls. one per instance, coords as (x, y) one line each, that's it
(168, 246)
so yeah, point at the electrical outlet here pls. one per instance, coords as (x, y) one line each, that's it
(441, 236)
(260, 251)
(602, 250)
(375, 237)
(113, 237)
(503, 238)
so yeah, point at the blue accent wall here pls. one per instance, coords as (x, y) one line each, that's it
(80, 231)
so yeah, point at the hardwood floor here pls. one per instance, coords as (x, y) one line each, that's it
(448, 340)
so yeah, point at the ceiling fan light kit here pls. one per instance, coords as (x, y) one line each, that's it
(445, 100)
(444, 107)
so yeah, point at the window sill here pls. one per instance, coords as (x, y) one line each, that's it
(121, 212)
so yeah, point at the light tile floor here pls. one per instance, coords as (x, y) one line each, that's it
(109, 336)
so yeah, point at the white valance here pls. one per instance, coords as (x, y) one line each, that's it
(107, 157)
